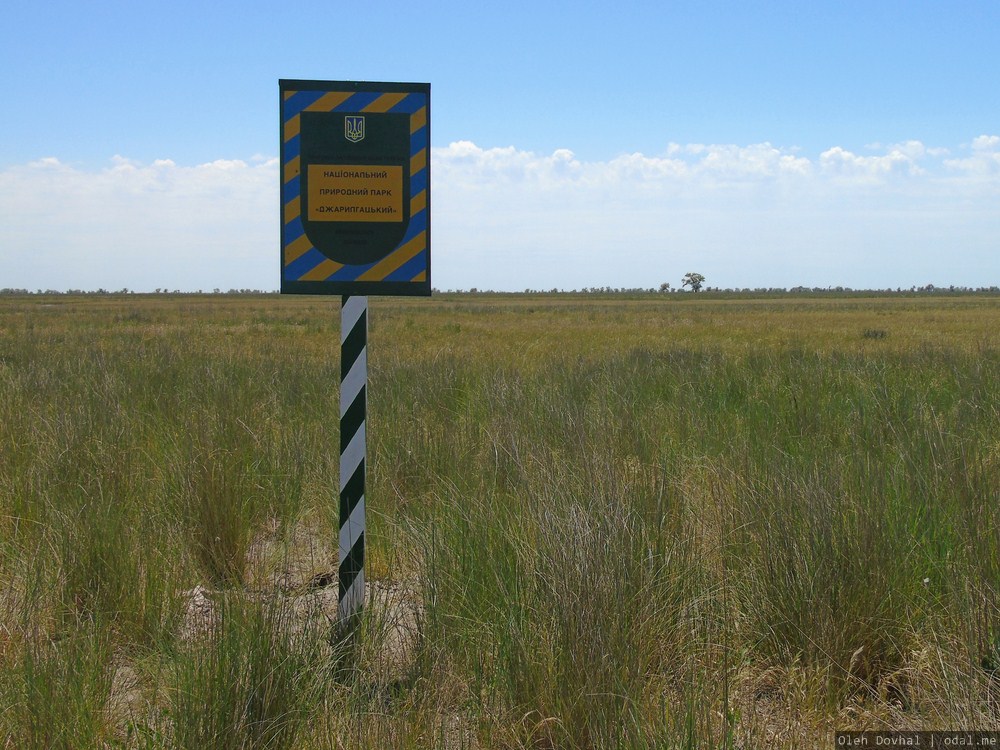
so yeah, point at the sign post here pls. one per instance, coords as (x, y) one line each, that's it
(355, 221)
(353, 387)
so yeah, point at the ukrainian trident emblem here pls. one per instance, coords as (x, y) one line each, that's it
(354, 128)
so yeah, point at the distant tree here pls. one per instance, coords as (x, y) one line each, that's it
(665, 286)
(694, 280)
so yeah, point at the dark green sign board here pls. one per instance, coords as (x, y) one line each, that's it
(355, 188)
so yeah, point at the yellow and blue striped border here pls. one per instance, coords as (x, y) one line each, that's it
(304, 269)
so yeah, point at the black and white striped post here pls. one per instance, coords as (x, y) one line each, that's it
(353, 385)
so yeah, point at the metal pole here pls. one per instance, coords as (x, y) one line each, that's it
(353, 406)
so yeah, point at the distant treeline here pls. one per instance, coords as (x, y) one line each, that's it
(749, 291)
(118, 292)
(929, 289)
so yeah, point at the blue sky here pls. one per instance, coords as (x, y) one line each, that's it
(573, 144)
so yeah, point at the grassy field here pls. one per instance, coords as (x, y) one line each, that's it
(662, 521)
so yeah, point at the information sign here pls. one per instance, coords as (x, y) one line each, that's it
(355, 188)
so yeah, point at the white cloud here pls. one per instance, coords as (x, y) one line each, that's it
(984, 159)
(916, 150)
(137, 226)
(744, 215)
(463, 159)
(730, 161)
(898, 161)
